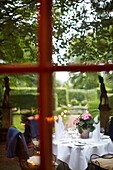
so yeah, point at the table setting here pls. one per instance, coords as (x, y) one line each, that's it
(69, 147)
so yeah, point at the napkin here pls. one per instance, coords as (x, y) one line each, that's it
(61, 123)
(96, 132)
(59, 128)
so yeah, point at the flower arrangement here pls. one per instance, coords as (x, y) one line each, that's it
(85, 121)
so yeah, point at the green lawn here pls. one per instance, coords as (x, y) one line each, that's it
(17, 123)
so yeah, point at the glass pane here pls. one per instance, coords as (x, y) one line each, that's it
(82, 31)
(18, 31)
(90, 92)
(19, 115)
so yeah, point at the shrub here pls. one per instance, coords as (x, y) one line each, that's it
(84, 102)
(79, 94)
(74, 102)
(61, 94)
(65, 108)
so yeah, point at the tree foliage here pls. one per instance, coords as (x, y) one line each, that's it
(84, 80)
(18, 31)
(84, 30)
(81, 28)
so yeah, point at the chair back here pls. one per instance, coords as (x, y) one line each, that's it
(31, 127)
(15, 144)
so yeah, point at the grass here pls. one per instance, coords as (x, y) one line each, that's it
(17, 123)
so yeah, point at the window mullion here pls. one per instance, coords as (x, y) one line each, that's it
(45, 83)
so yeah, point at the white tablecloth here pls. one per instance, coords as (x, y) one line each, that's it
(76, 152)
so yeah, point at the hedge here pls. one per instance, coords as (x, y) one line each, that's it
(23, 101)
(61, 95)
(78, 94)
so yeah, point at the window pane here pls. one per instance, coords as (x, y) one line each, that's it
(18, 94)
(18, 30)
(82, 31)
(86, 92)
(19, 109)
(83, 91)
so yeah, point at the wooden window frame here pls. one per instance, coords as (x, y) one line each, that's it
(45, 68)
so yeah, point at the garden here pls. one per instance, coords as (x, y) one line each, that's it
(67, 101)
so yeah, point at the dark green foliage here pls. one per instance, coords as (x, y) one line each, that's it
(23, 101)
(57, 112)
(86, 27)
(18, 31)
(93, 108)
(84, 80)
(22, 91)
(110, 99)
(93, 102)
(61, 93)
(92, 95)
(77, 94)
(92, 25)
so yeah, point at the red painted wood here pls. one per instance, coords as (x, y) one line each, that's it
(35, 68)
(45, 84)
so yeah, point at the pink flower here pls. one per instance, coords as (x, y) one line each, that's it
(90, 115)
(76, 121)
(85, 116)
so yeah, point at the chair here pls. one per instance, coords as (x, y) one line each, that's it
(32, 134)
(104, 162)
(63, 166)
(16, 147)
(31, 131)
(110, 132)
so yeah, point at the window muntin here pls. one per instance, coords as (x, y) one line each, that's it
(45, 69)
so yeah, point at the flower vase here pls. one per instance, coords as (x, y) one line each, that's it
(85, 133)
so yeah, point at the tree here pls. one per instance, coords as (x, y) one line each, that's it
(18, 43)
(84, 80)
(87, 33)
(18, 31)
(83, 26)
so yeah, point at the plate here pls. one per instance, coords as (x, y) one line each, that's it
(79, 144)
(104, 137)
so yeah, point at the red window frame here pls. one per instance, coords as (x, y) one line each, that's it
(45, 70)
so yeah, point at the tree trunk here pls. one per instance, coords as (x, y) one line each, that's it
(5, 105)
